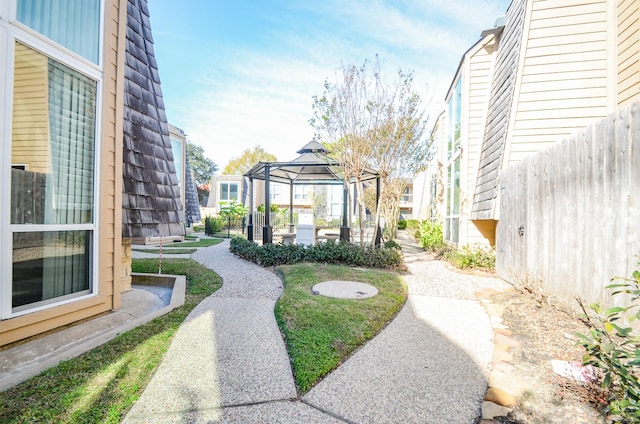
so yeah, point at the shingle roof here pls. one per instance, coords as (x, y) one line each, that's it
(151, 195)
(192, 205)
(495, 133)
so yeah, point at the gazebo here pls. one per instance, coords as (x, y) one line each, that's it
(312, 167)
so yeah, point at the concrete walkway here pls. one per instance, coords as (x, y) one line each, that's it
(228, 361)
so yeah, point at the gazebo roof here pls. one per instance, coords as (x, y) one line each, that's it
(313, 167)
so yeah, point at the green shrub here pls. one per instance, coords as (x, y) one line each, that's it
(478, 257)
(392, 244)
(413, 224)
(213, 224)
(328, 252)
(612, 346)
(431, 236)
(408, 224)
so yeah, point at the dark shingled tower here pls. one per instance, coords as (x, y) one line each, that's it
(151, 196)
(192, 205)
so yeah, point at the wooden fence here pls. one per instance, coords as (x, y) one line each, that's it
(570, 215)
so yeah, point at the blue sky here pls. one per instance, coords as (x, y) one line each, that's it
(236, 74)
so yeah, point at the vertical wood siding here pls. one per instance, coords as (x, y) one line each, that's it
(570, 215)
(501, 97)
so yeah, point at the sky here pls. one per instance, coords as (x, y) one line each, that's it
(237, 74)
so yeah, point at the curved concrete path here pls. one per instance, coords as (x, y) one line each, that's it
(228, 362)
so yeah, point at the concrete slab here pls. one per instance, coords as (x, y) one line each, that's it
(283, 412)
(430, 364)
(345, 290)
(138, 306)
(228, 353)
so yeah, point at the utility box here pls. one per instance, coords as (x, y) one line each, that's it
(306, 234)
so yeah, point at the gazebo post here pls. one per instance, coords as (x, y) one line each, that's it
(378, 229)
(291, 227)
(267, 234)
(344, 229)
(250, 225)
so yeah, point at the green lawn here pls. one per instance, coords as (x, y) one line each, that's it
(322, 332)
(101, 385)
(169, 250)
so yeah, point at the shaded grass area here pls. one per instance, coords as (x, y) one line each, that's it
(200, 243)
(321, 332)
(169, 251)
(102, 384)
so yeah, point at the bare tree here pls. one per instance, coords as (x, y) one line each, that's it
(342, 118)
(373, 124)
(398, 149)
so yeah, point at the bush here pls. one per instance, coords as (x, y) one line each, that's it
(612, 346)
(413, 224)
(479, 258)
(328, 252)
(431, 236)
(408, 224)
(213, 224)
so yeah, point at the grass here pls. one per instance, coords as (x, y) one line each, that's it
(169, 251)
(321, 332)
(101, 385)
(200, 243)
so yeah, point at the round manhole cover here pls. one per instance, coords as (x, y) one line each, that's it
(345, 290)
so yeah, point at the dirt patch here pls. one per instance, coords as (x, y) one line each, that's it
(546, 330)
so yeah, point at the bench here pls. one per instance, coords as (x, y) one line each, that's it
(329, 236)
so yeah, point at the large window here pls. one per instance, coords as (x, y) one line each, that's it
(74, 24)
(452, 208)
(50, 179)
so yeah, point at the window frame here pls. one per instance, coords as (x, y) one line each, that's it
(228, 184)
(454, 153)
(12, 31)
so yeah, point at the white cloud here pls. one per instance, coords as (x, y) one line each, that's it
(248, 97)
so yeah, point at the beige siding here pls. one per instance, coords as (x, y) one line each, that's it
(628, 32)
(30, 121)
(563, 81)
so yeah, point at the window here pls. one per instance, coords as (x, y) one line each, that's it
(51, 174)
(452, 187)
(74, 24)
(301, 192)
(406, 195)
(433, 205)
(275, 192)
(176, 149)
(228, 192)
